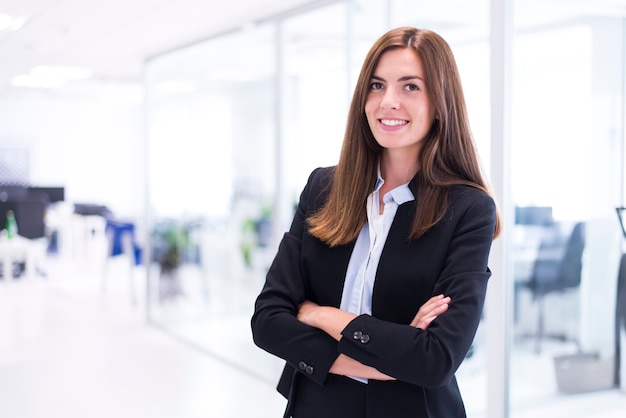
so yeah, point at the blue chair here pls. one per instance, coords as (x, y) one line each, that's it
(122, 242)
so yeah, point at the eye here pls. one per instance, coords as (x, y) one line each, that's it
(412, 87)
(376, 85)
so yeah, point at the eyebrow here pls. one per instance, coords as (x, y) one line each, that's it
(405, 78)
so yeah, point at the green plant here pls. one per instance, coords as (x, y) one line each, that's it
(170, 243)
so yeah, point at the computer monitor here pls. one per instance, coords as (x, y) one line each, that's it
(533, 215)
(56, 194)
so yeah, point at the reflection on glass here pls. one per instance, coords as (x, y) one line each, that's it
(316, 93)
(565, 250)
(211, 182)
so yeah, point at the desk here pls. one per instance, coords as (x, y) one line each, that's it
(78, 237)
(523, 262)
(20, 249)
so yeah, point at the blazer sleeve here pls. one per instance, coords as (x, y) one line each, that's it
(275, 327)
(430, 358)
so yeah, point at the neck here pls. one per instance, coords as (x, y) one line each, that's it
(397, 171)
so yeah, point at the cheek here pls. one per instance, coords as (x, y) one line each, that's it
(428, 116)
(370, 114)
(432, 112)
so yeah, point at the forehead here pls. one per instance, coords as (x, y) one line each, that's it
(404, 61)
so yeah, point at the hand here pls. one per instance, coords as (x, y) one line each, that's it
(434, 307)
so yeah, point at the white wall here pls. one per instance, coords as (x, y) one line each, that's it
(90, 141)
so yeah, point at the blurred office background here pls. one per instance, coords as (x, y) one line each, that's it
(152, 155)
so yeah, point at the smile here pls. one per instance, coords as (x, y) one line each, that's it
(393, 122)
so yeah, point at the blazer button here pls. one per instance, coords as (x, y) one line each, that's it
(357, 335)
(365, 339)
(305, 367)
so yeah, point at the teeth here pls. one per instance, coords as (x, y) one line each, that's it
(393, 122)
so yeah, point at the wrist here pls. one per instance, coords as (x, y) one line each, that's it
(321, 315)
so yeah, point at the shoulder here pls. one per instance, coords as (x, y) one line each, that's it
(464, 194)
(320, 180)
(465, 200)
(317, 187)
(321, 176)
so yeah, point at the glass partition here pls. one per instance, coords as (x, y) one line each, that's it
(316, 96)
(212, 159)
(567, 131)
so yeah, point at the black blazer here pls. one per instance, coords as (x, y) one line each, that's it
(451, 259)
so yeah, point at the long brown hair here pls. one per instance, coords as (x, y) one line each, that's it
(448, 155)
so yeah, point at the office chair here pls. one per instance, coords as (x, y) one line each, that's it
(121, 242)
(557, 268)
(620, 311)
(620, 321)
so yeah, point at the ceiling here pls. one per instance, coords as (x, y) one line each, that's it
(115, 37)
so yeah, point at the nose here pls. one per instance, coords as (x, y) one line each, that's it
(390, 100)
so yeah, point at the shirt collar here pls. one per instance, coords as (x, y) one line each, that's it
(400, 194)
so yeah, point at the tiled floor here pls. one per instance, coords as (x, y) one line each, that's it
(70, 350)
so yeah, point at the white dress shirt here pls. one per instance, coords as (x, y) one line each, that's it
(361, 274)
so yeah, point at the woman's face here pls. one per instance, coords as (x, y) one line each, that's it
(397, 107)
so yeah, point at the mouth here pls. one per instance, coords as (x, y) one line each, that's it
(393, 122)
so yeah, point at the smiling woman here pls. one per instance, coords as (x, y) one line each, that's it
(373, 330)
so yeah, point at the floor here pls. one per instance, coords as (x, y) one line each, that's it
(70, 350)
(71, 347)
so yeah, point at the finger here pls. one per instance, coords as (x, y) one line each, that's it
(426, 316)
(435, 301)
(430, 318)
(435, 308)
(425, 322)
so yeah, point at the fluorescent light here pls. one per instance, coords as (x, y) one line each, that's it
(11, 23)
(236, 75)
(61, 73)
(28, 80)
(176, 87)
(45, 76)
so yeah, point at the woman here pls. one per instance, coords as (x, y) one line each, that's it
(377, 290)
